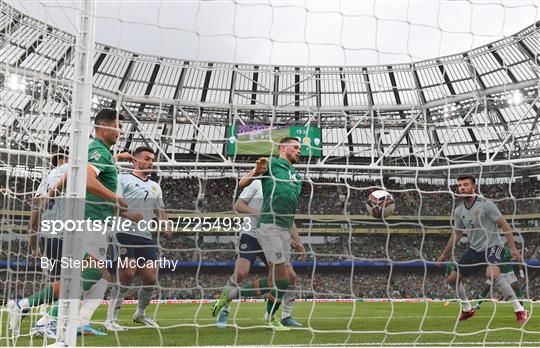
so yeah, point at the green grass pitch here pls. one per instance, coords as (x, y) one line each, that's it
(357, 323)
(247, 147)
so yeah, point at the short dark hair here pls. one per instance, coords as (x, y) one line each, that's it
(467, 177)
(108, 115)
(58, 153)
(287, 140)
(143, 149)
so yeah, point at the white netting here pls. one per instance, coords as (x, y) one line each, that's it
(387, 118)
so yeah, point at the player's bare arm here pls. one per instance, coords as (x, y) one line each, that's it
(131, 215)
(505, 227)
(123, 156)
(93, 186)
(261, 167)
(452, 241)
(163, 218)
(296, 242)
(57, 187)
(241, 207)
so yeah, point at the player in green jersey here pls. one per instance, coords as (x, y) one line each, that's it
(250, 202)
(276, 234)
(100, 203)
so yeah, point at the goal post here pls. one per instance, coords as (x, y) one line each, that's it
(75, 194)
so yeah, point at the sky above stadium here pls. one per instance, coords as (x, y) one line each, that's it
(286, 32)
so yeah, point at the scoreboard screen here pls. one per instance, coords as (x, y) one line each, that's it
(264, 139)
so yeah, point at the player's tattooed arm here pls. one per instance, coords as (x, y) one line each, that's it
(505, 227)
(261, 167)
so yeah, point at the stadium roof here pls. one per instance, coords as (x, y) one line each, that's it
(454, 110)
(294, 32)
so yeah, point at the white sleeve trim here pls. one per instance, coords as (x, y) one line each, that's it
(97, 171)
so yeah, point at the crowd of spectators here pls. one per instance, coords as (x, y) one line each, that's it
(321, 196)
(325, 196)
(394, 247)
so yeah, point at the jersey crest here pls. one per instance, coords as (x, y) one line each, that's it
(95, 155)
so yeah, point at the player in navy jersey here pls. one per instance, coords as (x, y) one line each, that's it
(481, 219)
(134, 241)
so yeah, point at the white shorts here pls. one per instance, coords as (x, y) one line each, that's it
(510, 277)
(275, 242)
(95, 244)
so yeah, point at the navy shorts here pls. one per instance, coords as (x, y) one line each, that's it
(473, 261)
(250, 249)
(133, 247)
(52, 249)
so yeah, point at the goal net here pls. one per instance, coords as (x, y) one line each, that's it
(374, 107)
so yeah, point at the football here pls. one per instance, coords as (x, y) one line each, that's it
(380, 204)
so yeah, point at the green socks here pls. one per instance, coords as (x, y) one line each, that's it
(53, 312)
(90, 276)
(274, 299)
(256, 288)
(47, 295)
(259, 286)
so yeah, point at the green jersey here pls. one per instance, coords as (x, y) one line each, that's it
(507, 257)
(448, 268)
(281, 187)
(100, 157)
